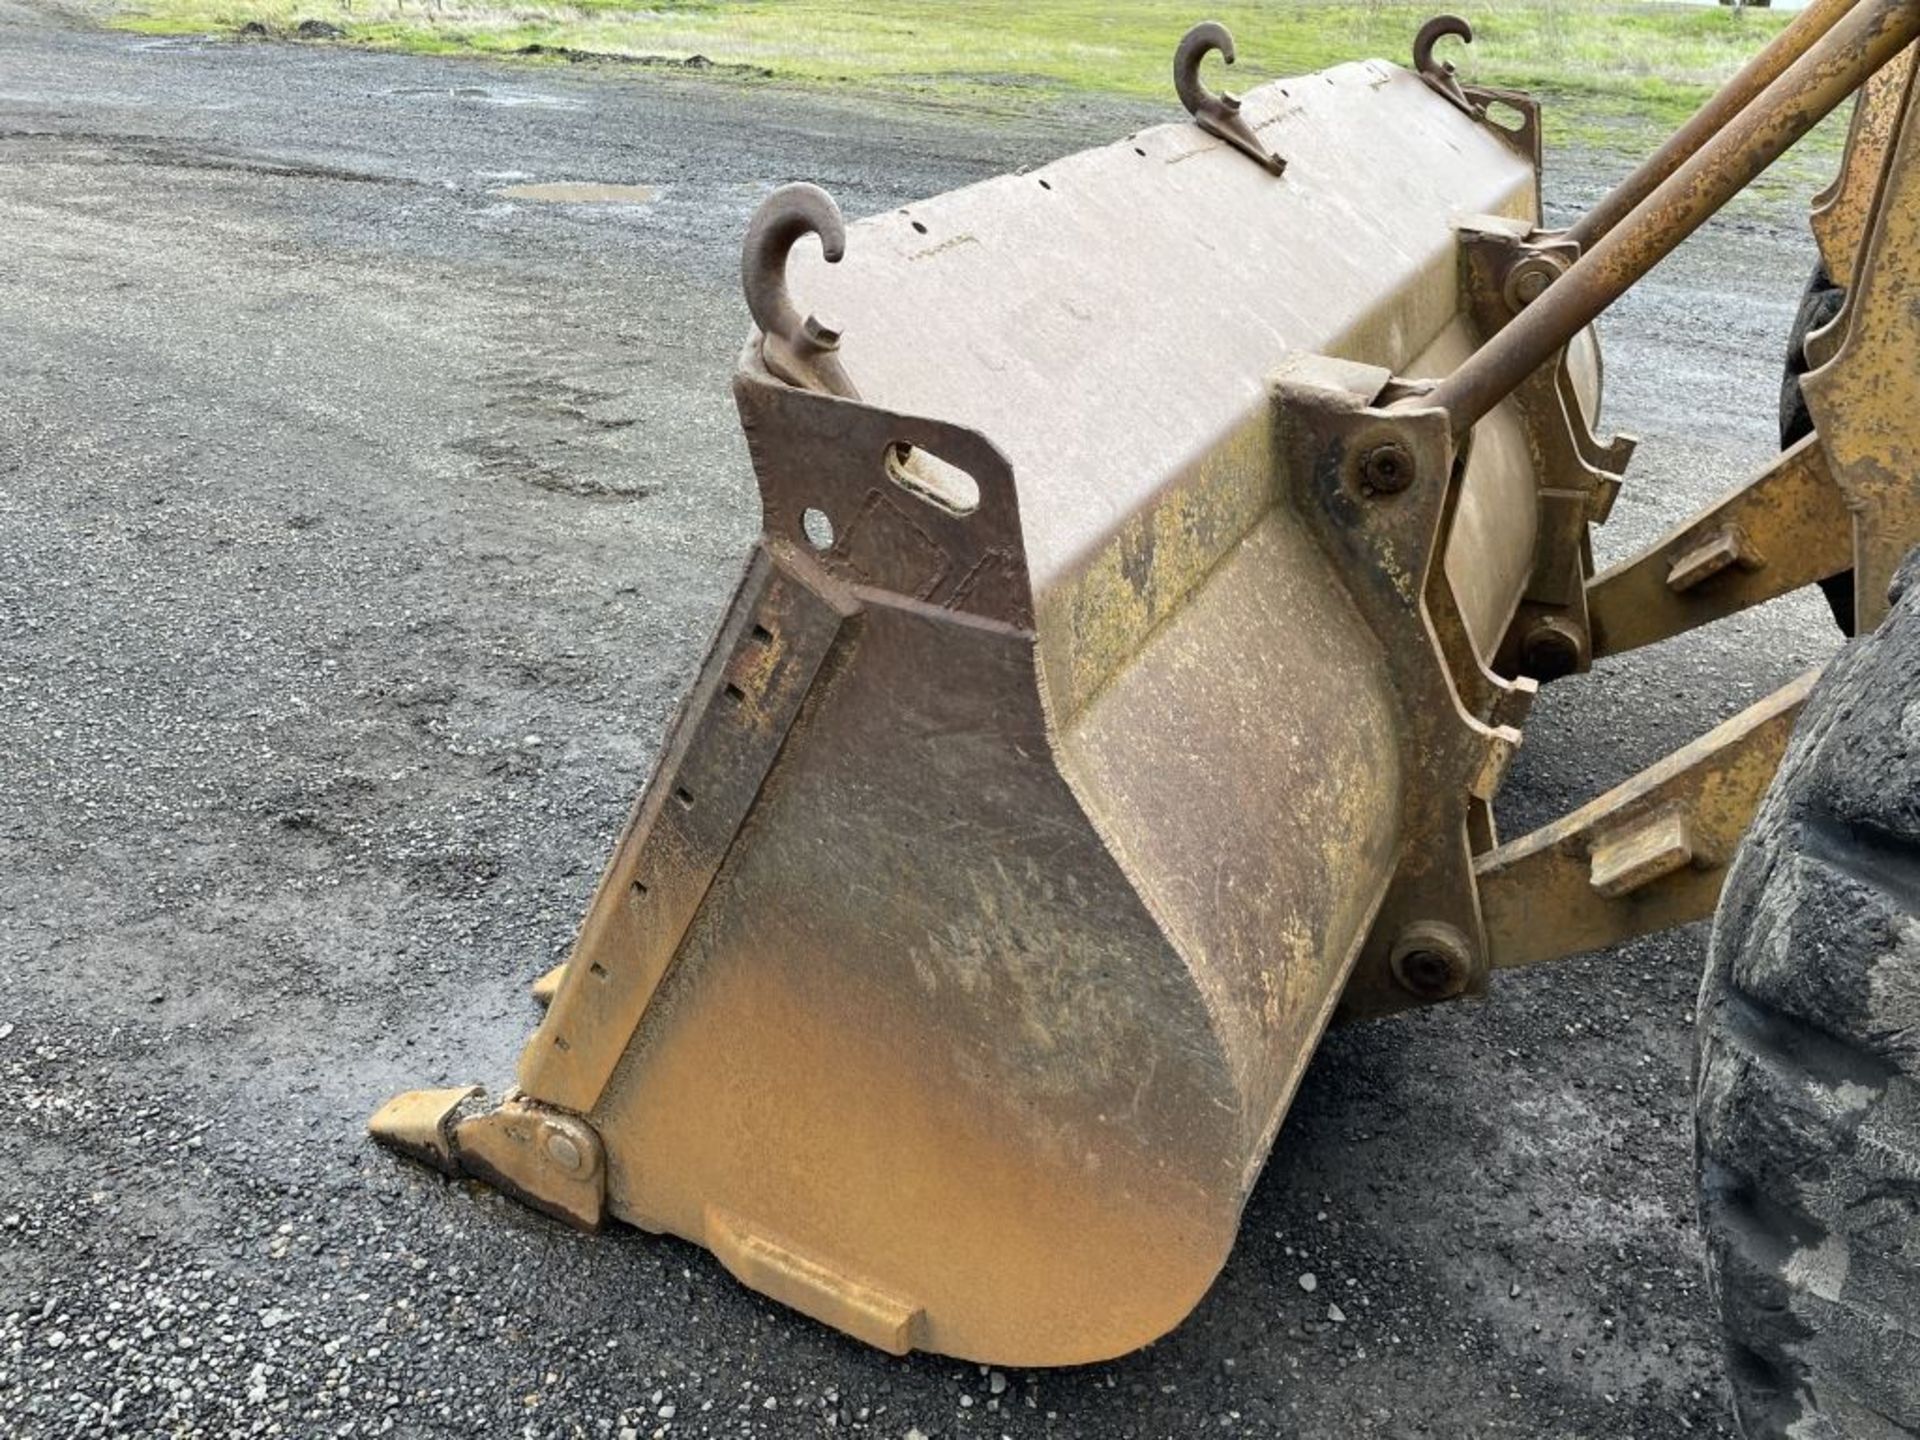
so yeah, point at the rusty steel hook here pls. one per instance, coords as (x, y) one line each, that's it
(1438, 73)
(1218, 115)
(800, 350)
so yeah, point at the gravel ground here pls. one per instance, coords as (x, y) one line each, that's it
(359, 530)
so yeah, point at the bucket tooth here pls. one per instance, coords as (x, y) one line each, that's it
(548, 985)
(419, 1124)
(541, 1156)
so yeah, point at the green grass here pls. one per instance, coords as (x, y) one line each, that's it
(1615, 73)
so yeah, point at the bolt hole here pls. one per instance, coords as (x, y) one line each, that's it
(598, 970)
(817, 528)
(762, 635)
(560, 1043)
(639, 889)
(684, 796)
(1138, 151)
(1508, 117)
(925, 474)
(735, 693)
(918, 228)
(1045, 186)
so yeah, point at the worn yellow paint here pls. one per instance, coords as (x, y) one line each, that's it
(1842, 210)
(1865, 401)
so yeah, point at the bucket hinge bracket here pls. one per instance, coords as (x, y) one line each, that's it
(1506, 266)
(1378, 487)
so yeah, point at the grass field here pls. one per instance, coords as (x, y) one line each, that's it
(1616, 72)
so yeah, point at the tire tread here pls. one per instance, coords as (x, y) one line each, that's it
(1807, 1067)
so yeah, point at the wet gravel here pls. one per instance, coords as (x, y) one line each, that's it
(359, 529)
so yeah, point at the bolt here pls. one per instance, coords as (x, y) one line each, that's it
(1528, 280)
(1553, 649)
(1432, 961)
(562, 1149)
(1387, 469)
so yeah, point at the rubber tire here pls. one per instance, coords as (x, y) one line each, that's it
(1807, 1069)
(1820, 303)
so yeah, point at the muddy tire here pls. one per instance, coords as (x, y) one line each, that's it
(1807, 1074)
(1818, 305)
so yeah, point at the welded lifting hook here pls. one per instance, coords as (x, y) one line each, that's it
(1218, 115)
(1438, 73)
(800, 350)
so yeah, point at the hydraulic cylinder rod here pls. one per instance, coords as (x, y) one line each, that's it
(1870, 35)
(1728, 101)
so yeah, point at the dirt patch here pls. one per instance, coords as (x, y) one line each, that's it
(698, 64)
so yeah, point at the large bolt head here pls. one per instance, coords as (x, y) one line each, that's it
(1387, 469)
(1553, 649)
(1527, 280)
(1432, 961)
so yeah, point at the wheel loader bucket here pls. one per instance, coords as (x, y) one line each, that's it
(1044, 783)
